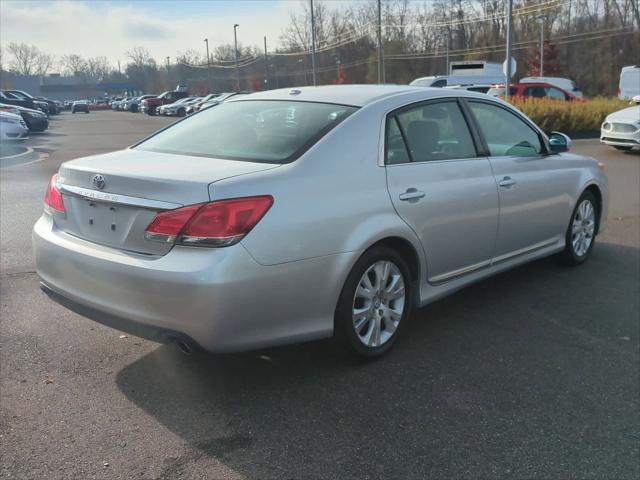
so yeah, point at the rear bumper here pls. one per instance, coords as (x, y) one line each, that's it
(219, 299)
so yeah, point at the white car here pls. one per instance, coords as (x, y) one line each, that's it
(12, 127)
(621, 129)
(481, 88)
(629, 86)
(179, 108)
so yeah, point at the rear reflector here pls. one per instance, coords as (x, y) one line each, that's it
(53, 202)
(216, 224)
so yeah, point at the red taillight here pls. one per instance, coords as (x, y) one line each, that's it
(219, 223)
(53, 198)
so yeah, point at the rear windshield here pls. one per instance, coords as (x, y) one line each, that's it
(266, 131)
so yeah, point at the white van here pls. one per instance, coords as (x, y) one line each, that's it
(563, 83)
(446, 80)
(629, 82)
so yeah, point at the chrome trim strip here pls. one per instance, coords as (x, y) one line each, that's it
(502, 258)
(116, 198)
(522, 251)
(461, 271)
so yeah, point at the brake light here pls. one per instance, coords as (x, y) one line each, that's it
(215, 224)
(53, 202)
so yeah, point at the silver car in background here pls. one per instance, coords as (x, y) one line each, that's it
(293, 215)
(621, 129)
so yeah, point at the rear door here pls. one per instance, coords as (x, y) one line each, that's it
(532, 185)
(441, 188)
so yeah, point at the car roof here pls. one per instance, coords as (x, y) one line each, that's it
(355, 95)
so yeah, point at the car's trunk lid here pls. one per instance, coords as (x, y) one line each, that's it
(110, 199)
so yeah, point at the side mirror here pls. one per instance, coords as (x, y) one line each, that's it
(559, 142)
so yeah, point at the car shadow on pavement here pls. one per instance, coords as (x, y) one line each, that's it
(516, 376)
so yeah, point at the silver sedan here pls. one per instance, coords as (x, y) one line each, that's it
(293, 215)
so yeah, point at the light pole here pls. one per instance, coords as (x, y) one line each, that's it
(206, 41)
(235, 41)
(509, 47)
(541, 18)
(266, 66)
(313, 45)
(381, 75)
(446, 39)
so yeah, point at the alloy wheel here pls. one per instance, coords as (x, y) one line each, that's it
(583, 228)
(378, 303)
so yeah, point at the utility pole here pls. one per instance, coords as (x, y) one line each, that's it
(541, 18)
(509, 45)
(447, 37)
(167, 64)
(206, 41)
(266, 65)
(235, 41)
(313, 44)
(381, 75)
(119, 71)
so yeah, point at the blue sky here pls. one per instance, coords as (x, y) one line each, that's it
(164, 27)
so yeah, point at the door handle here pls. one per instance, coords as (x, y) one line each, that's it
(411, 194)
(507, 182)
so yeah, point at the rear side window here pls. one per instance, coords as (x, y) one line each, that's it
(434, 131)
(505, 133)
(265, 131)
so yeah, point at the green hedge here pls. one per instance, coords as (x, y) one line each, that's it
(568, 116)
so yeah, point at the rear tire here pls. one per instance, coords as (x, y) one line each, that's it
(375, 302)
(581, 232)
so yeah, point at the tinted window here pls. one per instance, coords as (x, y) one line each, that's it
(505, 133)
(556, 94)
(440, 83)
(436, 131)
(265, 131)
(396, 148)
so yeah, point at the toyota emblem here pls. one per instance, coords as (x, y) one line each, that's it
(98, 181)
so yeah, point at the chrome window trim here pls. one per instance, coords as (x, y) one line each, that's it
(116, 198)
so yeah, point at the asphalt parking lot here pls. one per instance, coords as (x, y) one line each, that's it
(531, 374)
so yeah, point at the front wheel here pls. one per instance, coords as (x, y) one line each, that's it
(374, 303)
(182, 112)
(581, 232)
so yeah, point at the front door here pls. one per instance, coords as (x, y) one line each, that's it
(441, 188)
(531, 184)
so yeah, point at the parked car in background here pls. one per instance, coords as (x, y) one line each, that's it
(80, 106)
(35, 120)
(472, 88)
(9, 98)
(150, 105)
(565, 84)
(178, 108)
(629, 85)
(221, 98)
(534, 90)
(52, 105)
(621, 129)
(133, 105)
(428, 191)
(34, 102)
(446, 80)
(115, 102)
(193, 108)
(12, 127)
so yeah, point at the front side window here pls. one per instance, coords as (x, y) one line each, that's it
(505, 133)
(265, 131)
(435, 131)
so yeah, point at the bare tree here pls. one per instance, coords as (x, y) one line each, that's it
(74, 64)
(28, 59)
(98, 67)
